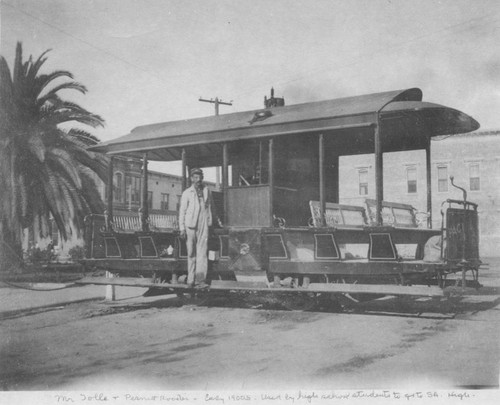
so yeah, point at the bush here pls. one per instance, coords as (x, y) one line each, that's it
(76, 253)
(38, 256)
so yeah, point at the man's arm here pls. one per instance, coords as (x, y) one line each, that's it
(182, 213)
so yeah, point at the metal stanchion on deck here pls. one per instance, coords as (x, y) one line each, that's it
(110, 289)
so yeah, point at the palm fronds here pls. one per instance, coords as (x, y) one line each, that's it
(46, 171)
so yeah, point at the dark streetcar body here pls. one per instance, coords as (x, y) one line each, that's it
(281, 225)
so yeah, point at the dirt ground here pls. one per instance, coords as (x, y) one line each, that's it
(163, 343)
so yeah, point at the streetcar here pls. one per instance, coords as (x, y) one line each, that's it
(282, 228)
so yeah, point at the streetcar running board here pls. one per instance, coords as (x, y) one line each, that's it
(128, 282)
(426, 291)
(386, 289)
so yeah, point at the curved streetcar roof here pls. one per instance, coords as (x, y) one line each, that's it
(406, 123)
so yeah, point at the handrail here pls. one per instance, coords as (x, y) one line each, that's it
(460, 188)
(461, 202)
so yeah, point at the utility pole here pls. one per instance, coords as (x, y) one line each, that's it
(216, 102)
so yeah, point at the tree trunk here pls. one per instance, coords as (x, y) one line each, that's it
(11, 251)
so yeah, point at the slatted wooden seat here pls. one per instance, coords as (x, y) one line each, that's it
(338, 215)
(127, 223)
(157, 222)
(393, 214)
(163, 221)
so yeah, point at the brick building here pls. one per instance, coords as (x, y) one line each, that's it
(474, 161)
(164, 190)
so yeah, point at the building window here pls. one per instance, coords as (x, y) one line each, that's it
(164, 201)
(363, 181)
(135, 193)
(411, 179)
(150, 200)
(442, 178)
(178, 203)
(128, 189)
(474, 180)
(118, 187)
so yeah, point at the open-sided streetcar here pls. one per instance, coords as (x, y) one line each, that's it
(282, 228)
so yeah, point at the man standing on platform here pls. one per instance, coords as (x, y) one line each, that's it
(195, 216)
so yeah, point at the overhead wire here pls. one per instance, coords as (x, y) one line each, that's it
(355, 60)
(74, 36)
(358, 59)
(89, 44)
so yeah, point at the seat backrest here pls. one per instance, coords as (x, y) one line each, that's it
(132, 223)
(394, 214)
(163, 221)
(127, 223)
(338, 215)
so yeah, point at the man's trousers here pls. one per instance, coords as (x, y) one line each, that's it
(197, 245)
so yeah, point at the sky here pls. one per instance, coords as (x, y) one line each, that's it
(150, 61)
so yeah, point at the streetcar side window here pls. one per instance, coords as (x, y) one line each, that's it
(381, 246)
(325, 247)
(148, 248)
(112, 248)
(276, 247)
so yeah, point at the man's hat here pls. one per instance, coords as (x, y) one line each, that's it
(196, 170)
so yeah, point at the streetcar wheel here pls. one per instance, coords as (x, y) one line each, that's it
(330, 302)
(194, 298)
(298, 301)
(201, 297)
(152, 292)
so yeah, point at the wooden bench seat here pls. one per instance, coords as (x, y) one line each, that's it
(338, 215)
(393, 214)
(157, 222)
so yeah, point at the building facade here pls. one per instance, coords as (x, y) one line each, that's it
(164, 190)
(164, 196)
(473, 160)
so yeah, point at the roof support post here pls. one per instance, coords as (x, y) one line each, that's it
(225, 177)
(322, 199)
(260, 162)
(429, 181)
(184, 176)
(217, 177)
(271, 181)
(109, 196)
(379, 171)
(336, 177)
(144, 199)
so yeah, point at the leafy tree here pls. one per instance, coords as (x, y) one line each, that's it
(45, 169)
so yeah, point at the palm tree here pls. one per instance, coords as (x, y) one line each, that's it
(45, 169)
